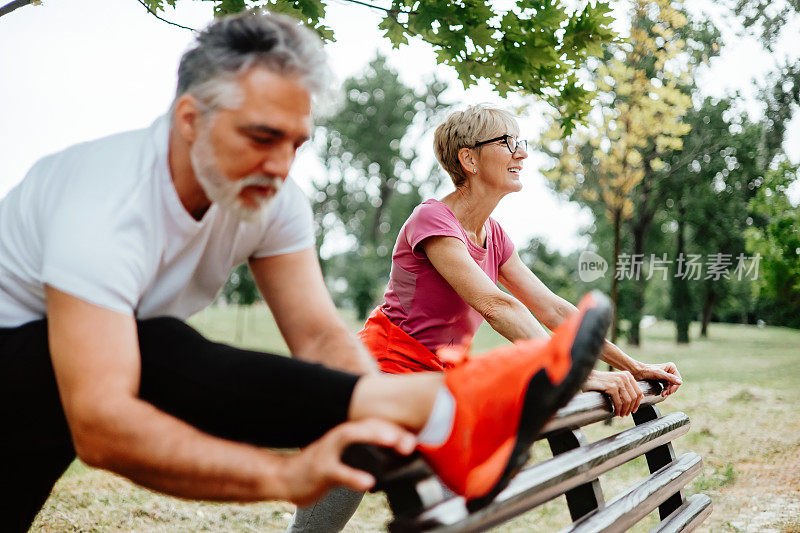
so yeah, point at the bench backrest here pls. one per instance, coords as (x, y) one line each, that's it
(573, 471)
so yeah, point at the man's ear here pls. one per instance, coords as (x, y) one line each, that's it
(467, 159)
(186, 117)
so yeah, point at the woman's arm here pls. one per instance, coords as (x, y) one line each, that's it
(450, 257)
(509, 317)
(552, 310)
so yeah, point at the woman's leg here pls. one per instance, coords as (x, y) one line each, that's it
(328, 515)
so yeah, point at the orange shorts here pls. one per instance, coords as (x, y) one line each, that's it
(396, 351)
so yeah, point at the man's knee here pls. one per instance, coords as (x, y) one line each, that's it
(161, 325)
(166, 334)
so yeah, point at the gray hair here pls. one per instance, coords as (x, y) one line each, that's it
(231, 45)
(462, 129)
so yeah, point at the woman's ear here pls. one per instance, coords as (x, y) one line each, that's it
(468, 160)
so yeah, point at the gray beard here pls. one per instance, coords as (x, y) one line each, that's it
(226, 193)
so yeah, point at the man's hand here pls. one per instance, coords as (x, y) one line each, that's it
(622, 388)
(318, 468)
(665, 371)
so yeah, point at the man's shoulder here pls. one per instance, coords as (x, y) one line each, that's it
(105, 174)
(116, 151)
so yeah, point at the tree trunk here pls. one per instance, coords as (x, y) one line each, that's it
(614, 281)
(239, 323)
(639, 233)
(641, 224)
(681, 297)
(708, 307)
(387, 188)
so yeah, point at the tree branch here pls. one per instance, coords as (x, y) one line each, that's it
(159, 18)
(365, 4)
(11, 6)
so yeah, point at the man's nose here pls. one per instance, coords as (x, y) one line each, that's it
(278, 162)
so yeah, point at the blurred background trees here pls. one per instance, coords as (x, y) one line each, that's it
(688, 193)
(613, 163)
(374, 179)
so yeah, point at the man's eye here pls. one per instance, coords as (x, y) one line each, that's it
(263, 140)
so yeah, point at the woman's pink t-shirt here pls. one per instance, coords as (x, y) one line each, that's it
(418, 299)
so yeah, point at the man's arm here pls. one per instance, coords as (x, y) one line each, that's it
(295, 291)
(96, 360)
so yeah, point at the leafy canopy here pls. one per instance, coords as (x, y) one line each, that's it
(639, 116)
(534, 47)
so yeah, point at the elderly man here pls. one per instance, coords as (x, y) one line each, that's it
(107, 246)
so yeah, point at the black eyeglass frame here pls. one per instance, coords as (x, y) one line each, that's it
(507, 138)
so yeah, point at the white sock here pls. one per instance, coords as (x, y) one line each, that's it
(440, 421)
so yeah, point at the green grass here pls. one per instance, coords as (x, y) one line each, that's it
(740, 393)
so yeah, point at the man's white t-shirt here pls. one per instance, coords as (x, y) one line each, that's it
(102, 221)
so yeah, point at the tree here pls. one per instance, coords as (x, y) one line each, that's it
(374, 180)
(534, 47)
(638, 118)
(710, 182)
(693, 43)
(778, 243)
(768, 19)
(240, 290)
(557, 271)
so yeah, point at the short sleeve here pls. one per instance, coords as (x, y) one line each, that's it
(290, 225)
(96, 255)
(432, 219)
(502, 242)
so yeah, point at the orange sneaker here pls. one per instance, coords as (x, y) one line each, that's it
(504, 397)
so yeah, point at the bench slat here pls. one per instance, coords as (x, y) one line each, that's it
(621, 513)
(687, 517)
(549, 479)
(590, 407)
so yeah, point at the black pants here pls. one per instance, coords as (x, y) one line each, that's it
(257, 398)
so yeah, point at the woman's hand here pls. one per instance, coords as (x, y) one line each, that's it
(665, 371)
(308, 475)
(621, 386)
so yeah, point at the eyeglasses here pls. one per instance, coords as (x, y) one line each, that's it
(512, 143)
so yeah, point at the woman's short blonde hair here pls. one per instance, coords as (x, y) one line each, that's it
(462, 129)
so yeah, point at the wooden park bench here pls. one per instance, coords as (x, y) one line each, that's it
(419, 503)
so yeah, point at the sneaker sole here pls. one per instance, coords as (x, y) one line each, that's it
(542, 399)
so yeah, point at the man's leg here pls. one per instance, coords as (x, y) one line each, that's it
(36, 446)
(248, 396)
(243, 395)
(258, 398)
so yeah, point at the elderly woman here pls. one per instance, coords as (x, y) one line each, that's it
(446, 263)
(450, 255)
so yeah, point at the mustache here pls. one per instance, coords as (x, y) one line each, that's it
(259, 180)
